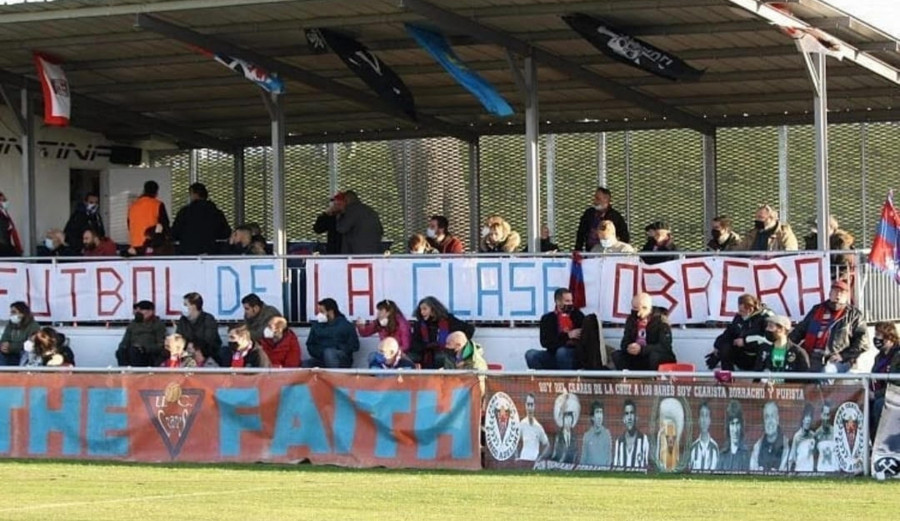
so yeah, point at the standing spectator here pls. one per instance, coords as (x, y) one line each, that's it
(156, 243)
(418, 245)
(838, 240)
(145, 213)
(596, 445)
(647, 339)
(547, 244)
(887, 342)
(607, 242)
(359, 226)
(20, 327)
(833, 332)
(433, 325)
(326, 223)
(142, 344)
(560, 331)
(245, 352)
(781, 355)
(602, 210)
(332, 338)
(85, 217)
(497, 236)
(10, 244)
(659, 239)
(389, 322)
(257, 315)
(740, 343)
(241, 241)
(389, 356)
(55, 245)
(768, 233)
(179, 354)
(723, 236)
(96, 245)
(735, 456)
(440, 238)
(281, 344)
(199, 224)
(200, 330)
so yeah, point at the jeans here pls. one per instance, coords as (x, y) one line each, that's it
(331, 359)
(11, 359)
(561, 359)
(649, 361)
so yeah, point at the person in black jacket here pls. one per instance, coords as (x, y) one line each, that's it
(740, 343)
(647, 340)
(429, 340)
(658, 239)
(200, 224)
(200, 330)
(594, 215)
(85, 217)
(833, 332)
(560, 332)
(326, 223)
(781, 355)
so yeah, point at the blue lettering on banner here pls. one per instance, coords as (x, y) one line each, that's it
(42, 421)
(344, 421)
(237, 289)
(298, 422)
(415, 279)
(431, 424)
(484, 292)
(232, 423)
(253, 269)
(382, 406)
(532, 294)
(457, 312)
(548, 289)
(100, 421)
(10, 398)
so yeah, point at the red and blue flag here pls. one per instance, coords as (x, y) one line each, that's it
(576, 281)
(885, 254)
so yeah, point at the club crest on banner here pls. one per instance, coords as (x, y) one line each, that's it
(887, 467)
(501, 426)
(172, 412)
(849, 437)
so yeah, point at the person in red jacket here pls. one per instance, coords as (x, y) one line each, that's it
(440, 239)
(97, 246)
(281, 344)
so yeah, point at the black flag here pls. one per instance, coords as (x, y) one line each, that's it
(626, 49)
(370, 69)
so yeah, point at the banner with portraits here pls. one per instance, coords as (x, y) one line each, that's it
(886, 448)
(661, 426)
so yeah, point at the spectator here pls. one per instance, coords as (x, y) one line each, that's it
(143, 342)
(433, 325)
(21, 327)
(156, 243)
(258, 245)
(770, 453)
(146, 213)
(245, 352)
(326, 223)
(46, 348)
(647, 339)
(740, 343)
(199, 224)
(359, 226)
(607, 241)
(241, 241)
(658, 239)
(768, 233)
(54, 245)
(10, 244)
(389, 356)
(833, 333)
(96, 245)
(254, 228)
(839, 240)
(594, 215)
(723, 236)
(734, 456)
(281, 344)
(497, 236)
(200, 331)
(467, 354)
(440, 238)
(560, 331)
(85, 217)
(257, 315)
(418, 244)
(547, 245)
(781, 355)
(179, 355)
(389, 322)
(332, 338)
(887, 342)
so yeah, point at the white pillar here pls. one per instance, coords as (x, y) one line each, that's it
(532, 168)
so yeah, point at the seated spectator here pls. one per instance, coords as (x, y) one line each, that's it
(440, 238)
(257, 315)
(281, 344)
(258, 245)
(46, 349)
(55, 245)
(839, 240)
(647, 339)
(389, 356)
(326, 223)
(781, 355)
(723, 236)
(833, 333)
(240, 241)
(21, 327)
(245, 352)
(497, 236)
(887, 342)
(433, 325)
(254, 228)
(389, 322)
(200, 331)
(179, 355)
(95, 245)
(332, 338)
(199, 224)
(142, 344)
(466, 354)
(85, 217)
(658, 239)
(547, 244)
(418, 244)
(607, 241)
(600, 211)
(768, 233)
(560, 331)
(739, 345)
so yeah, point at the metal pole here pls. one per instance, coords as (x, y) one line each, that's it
(601, 159)
(864, 171)
(710, 183)
(550, 174)
(29, 230)
(867, 466)
(628, 216)
(532, 172)
(334, 168)
(279, 240)
(193, 167)
(239, 186)
(783, 185)
(474, 194)
(821, 120)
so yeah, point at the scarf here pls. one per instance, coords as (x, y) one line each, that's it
(443, 331)
(641, 332)
(238, 358)
(820, 328)
(173, 363)
(564, 322)
(466, 352)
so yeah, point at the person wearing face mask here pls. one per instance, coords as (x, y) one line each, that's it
(547, 244)
(768, 233)
(497, 236)
(144, 340)
(18, 330)
(85, 217)
(45, 349)
(647, 339)
(200, 330)
(659, 239)
(257, 315)
(842, 264)
(96, 245)
(389, 356)
(560, 331)
(833, 333)
(739, 344)
(600, 211)
(54, 245)
(281, 344)
(608, 242)
(245, 352)
(389, 323)
(723, 236)
(780, 354)
(332, 338)
(418, 245)
(200, 224)
(10, 244)
(440, 239)
(887, 360)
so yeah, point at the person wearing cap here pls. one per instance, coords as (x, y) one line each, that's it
(200, 224)
(658, 239)
(326, 223)
(781, 355)
(833, 333)
(600, 211)
(360, 227)
(144, 340)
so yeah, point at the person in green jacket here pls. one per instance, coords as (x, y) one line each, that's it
(19, 329)
(144, 340)
(469, 355)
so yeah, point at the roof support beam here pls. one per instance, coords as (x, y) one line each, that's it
(43, 15)
(454, 22)
(288, 71)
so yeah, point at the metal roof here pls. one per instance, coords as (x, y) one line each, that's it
(132, 82)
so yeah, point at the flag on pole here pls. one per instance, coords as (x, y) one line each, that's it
(885, 254)
(576, 281)
(268, 81)
(55, 87)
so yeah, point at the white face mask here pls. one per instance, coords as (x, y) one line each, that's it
(48, 243)
(28, 346)
(15, 319)
(430, 233)
(420, 251)
(485, 231)
(321, 318)
(268, 333)
(5, 205)
(599, 207)
(383, 322)
(187, 311)
(91, 208)
(606, 243)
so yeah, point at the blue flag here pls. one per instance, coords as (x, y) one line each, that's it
(440, 50)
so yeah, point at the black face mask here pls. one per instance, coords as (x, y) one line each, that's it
(634, 314)
(770, 336)
(717, 234)
(138, 317)
(760, 225)
(233, 345)
(567, 309)
(878, 343)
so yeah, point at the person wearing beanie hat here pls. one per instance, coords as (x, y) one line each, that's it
(144, 339)
(833, 333)
(781, 355)
(658, 239)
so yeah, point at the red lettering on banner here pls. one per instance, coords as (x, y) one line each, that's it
(103, 293)
(664, 292)
(34, 312)
(168, 293)
(11, 271)
(779, 290)
(134, 283)
(633, 268)
(368, 292)
(688, 289)
(726, 289)
(72, 272)
(803, 290)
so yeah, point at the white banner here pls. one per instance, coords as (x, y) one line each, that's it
(106, 291)
(693, 290)
(55, 86)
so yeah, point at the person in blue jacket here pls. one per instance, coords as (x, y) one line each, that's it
(332, 338)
